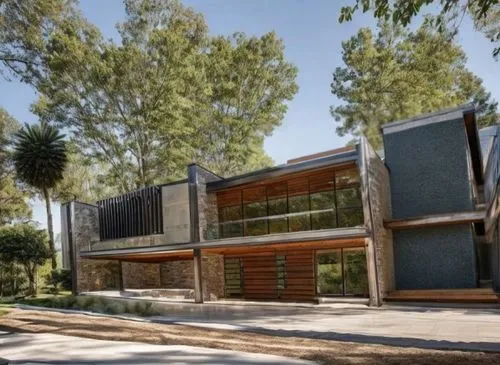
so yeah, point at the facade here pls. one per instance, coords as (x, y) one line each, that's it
(343, 223)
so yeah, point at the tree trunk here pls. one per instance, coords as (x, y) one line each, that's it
(50, 228)
(31, 280)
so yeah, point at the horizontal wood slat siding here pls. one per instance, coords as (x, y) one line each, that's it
(260, 274)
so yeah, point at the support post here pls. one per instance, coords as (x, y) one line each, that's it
(198, 281)
(371, 260)
(195, 231)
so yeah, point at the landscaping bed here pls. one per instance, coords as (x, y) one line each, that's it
(322, 351)
(89, 303)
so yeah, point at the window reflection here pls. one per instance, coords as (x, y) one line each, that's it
(323, 200)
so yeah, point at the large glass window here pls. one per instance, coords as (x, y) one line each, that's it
(255, 211)
(230, 222)
(325, 199)
(329, 278)
(355, 272)
(341, 272)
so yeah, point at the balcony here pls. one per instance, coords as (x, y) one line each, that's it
(138, 213)
(153, 216)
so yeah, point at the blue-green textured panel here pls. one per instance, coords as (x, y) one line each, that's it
(428, 169)
(435, 258)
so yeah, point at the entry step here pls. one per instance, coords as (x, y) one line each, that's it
(475, 295)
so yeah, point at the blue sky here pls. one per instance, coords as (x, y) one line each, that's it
(312, 38)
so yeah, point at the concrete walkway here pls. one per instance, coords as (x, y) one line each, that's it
(55, 349)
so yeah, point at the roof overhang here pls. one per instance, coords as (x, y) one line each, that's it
(278, 171)
(184, 250)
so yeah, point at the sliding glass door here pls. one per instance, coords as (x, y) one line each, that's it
(341, 271)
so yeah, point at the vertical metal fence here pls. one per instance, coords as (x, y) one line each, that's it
(138, 213)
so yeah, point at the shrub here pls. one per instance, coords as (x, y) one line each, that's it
(58, 280)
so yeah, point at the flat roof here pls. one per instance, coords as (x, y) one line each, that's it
(280, 170)
(429, 118)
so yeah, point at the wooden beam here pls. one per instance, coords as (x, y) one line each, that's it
(316, 245)
(436, 220)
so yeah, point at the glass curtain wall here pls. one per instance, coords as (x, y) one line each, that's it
(323, 200)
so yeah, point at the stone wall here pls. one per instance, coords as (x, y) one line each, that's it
(180, 275)
(90, 274)
(376, 192)
(94, 275)
(207, 205)
(177, 274)
(138, 275)
(213, 276)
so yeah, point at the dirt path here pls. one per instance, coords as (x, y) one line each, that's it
(322, 351)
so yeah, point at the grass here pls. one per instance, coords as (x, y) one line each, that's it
(3, 312)
(88, 303)
(321, 351)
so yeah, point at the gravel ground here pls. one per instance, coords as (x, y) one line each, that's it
(321, 351)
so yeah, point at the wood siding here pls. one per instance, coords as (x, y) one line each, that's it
(260, 279)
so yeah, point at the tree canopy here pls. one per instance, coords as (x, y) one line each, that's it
(13, 200)
(168, 95)
(484, 13)
(25, 245)
(40, 159)
(25, 26)
(396, 74)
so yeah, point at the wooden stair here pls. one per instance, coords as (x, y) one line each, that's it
(476, 295)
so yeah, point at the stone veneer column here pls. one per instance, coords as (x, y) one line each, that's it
(376, 196)
(198, 203)
(80, 226)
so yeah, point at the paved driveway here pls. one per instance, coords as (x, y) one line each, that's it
(440, 328)
(55, 349)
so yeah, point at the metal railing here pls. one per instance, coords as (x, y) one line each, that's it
(138, 213)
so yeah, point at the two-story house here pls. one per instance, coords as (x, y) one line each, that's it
(342, 223)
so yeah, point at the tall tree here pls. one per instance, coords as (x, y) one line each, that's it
(13, 200)
(141, 124)
(484, 13)
(25, 27)
(27, 246)
(40, 159)
(84, 179)
(397, 74)
(250, 82)
(193, 91)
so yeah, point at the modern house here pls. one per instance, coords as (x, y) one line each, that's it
(342, 223)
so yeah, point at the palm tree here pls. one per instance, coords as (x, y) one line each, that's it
(40, 158)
